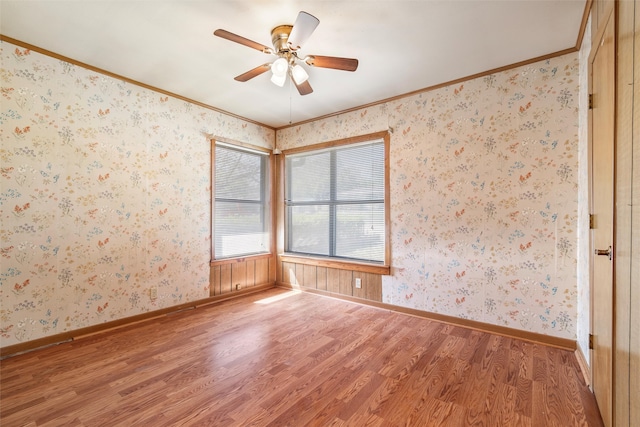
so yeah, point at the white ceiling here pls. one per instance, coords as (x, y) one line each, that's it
(402, 45)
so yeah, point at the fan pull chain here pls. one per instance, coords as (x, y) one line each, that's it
(290, 99)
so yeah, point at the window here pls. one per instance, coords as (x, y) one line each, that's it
(241, 208)
(335, 201)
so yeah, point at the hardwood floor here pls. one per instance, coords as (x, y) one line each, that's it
(282, 358)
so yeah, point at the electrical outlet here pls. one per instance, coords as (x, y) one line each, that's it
(358, 283)
(238, 286)
(153, 293)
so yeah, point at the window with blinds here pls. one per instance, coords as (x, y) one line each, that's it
(335, 202)
(241, 213)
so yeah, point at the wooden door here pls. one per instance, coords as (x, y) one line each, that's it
(602, 179)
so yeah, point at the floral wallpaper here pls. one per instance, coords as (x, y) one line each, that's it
(104, 196)
(484, 195)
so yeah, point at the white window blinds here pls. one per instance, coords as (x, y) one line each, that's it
(335, 202)
(241, 214)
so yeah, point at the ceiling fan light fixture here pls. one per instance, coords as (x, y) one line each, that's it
(278, 80)
(286, 40)
(299, 74)
(279, 68)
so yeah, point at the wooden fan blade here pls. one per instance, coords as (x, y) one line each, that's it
(253, 73)
(346, 64)
(304, 88)
(243, 41)
(302, 29)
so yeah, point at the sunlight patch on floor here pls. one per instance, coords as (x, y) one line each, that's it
(276, 298)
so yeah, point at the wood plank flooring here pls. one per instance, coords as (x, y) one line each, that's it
(283, 358)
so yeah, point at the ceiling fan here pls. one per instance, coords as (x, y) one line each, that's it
(287, 40)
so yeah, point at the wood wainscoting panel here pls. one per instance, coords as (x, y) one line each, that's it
(234, 275)
(250, 274)
(309, 276)
(346, 282)
(289, 274)
(332, 280)
(214, 281)
(225, 279)
(371, 287)
(321, 278)
(262, 271)
(238, 275)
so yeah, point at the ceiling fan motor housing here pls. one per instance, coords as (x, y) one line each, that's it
(279, 38)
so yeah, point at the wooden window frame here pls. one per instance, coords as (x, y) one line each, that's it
(383, 268)
(269, 206)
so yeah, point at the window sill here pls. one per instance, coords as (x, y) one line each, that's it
(364, 267)
(216, 262)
